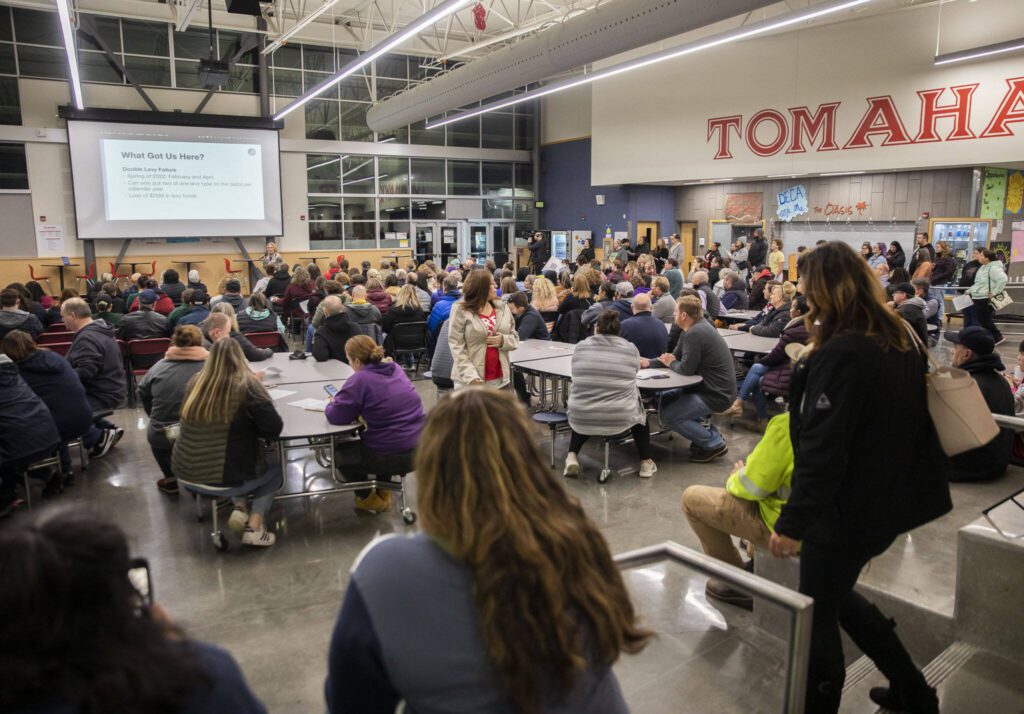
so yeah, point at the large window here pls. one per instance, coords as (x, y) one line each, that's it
(13, 170)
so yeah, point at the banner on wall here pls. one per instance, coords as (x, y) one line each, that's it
(1014, 192)
(993, 194)
(743, 207)
(792, 203)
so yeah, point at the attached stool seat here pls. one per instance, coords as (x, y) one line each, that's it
(552, 420)
(220, 541)
(49, 463)
(619, 439)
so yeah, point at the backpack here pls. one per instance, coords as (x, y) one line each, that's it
(569, 327)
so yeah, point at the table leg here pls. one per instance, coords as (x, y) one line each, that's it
(60, 270)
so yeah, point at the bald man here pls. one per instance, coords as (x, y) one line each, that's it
(644, 330)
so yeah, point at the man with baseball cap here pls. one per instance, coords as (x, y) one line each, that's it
(145, 323)
(910, 308)
(974, 352)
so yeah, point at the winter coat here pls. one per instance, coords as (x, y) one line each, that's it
(195, 315)
(235, 300)
(777, 379)
(50, 376)
(441, 310)
(173, 291)
(467, 339)
(164, 305)
(399, 315)
(96, 357)
(162, 390)
(278, 284)
(293, 298)
(714, 305)
(735, 298)
(604, 399)
(26, 427)
(142, 325)
(850, 392)
(757, 252)
(989, 461)
(11, 320)
(330, 338)
(989, 280)
(942, 270)
(250, 320)
(773, 322)
(912, 311)
(531, 326)
(379, 299)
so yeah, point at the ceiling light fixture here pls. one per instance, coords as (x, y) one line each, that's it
(979, 52)
(741, 33)
(67, 31)
(409, 31)
(843, 173)
(298, 26)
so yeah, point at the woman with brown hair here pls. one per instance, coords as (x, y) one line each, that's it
(481, 334)
(863, 382)
(491, 608)
(300, 290)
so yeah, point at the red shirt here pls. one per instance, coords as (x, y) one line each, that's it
(492, 361)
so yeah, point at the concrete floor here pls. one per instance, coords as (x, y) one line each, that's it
(274, 609)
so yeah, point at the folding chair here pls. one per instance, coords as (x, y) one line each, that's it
(143, 354)
(52, 338)
(273, 340)
(409, 339)
(49, 463)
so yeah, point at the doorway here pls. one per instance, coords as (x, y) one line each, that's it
(649, 230)
(436, 241)
(688, 239)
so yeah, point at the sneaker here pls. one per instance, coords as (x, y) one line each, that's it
(647, 469)
(703, 456)
(261, 538)
(923, 700)
(168, 485)
(1000, 341)
(718, 590)
(103, 445)
(118, 433)
(572, 466)
(374, 503)
(8, 504)
(237, 521)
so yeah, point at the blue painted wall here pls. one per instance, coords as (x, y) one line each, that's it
(569, 201)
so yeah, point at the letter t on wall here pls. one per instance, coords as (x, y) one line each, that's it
(723, 125)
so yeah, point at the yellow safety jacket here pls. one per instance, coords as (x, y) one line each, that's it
(766, 476)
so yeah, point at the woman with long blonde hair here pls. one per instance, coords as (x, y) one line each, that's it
(544, 299)
(225, 416)
(509, 612)
(406, 308)
(863, 382)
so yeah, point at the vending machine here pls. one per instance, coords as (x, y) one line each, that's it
(560, 245)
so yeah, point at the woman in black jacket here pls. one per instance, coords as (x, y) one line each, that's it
(896, 257)
(225, 417)
(863, 382)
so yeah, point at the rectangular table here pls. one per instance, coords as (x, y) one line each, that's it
(738, 315)
(745, 342)
(561, 367)
(726, 332)
(302, 370)
(530, 350)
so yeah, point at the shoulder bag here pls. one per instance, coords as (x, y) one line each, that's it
(999, 301)
(958, 410)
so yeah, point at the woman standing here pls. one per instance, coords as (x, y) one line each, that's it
(896, 257)
(863, 382)
(776, 259)
(482, 333)
(491, 549)
(988, 281)
(879, 264)
(162, 391)
(225, 415)
(923, 269)
(944, 266)
(660, 254)
(271, 258)
(603, 396)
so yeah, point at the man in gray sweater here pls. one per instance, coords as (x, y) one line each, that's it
(701, 351)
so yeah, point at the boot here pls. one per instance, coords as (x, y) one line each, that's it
(913, 700)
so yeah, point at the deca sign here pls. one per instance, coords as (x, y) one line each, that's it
(803, 130)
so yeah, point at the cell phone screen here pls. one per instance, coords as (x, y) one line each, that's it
(331, 390)
(138, 576)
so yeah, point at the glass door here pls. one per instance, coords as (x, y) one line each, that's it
(501, 239)
(448, 235)
(426, 246)
(478, 242)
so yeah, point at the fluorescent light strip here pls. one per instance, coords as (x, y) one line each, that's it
(328, 4)
(421, 23)
(715, 41)
(68, 32)
(978, 52)
(843, 173)
(783, 175)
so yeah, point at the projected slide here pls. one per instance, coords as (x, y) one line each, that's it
(160, 181)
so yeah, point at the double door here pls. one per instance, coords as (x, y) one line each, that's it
(437, 241)
(443, 241)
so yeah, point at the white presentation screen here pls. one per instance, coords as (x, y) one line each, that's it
(160, 181)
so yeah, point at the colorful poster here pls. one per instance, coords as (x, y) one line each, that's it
(1017, 247)
(993, 194)
(743, 207)
(1014, 192)
(792, 203)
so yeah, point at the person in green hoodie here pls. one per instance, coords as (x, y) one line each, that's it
(747, 507)
(176, 313)
(102, 310)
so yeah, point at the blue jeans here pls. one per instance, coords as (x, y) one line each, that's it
(751, 387)
(309, 337)
(689, 416)
(939, 295)
(260, 489)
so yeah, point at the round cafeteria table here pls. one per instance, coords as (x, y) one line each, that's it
(293, 371)
(530, 350)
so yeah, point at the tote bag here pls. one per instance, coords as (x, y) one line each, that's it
(1000, 300)
(960, 413)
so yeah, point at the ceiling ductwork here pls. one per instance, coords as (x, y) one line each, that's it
(608, 30)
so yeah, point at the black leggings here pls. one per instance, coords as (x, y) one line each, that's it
(356, 461)
(641, 437)
(984, 312)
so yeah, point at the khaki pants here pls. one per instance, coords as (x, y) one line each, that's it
(716, 515)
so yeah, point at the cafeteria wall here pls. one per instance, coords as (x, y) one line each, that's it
(570, 200)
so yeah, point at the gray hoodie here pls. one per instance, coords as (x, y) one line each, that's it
(19, 320)
(363, 313)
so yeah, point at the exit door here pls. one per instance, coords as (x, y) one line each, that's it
(436, 241)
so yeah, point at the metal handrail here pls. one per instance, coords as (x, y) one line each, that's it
(801, 606)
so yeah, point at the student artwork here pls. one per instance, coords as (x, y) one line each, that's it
(1014, 192)
(993, 193)
(743, 207)
(792, 203)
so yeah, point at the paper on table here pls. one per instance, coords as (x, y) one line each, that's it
(279, 393)
(313, 405)
(649, 373)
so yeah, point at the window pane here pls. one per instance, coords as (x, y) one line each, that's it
(149, 70)
(394, 208)
(422, 210)
(311, 79)
(389, 87)
(322, 119)
(325, 235)
(37, 28)
(360, 235)
(186, 74)
(397, 136)
(7, 65)
(145, 38)
(357, 174)
(497, 130)
(286, 82)
(323, 173)
(243, 78)
(194, 43)
(355, 89)
(524, 181)
(318, 59)
(42, 62)
(391, 66)
(428, 176)
(497, 179)
(360, 208)
(228, 43)
(419, 134)
(393, 175)
(13, 171)
(525, 211)
(497, 208)
(524, 126)
(464, 133)
(324, 209)
(10, 104)
(94, 67)
(109, 30)
(418, 72)
(287, 56)
(395, 227)
(353, 122)
(5, 24)
(463, 178)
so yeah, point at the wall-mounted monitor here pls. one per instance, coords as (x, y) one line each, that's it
(163, 181)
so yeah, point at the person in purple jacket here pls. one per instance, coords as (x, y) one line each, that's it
(389, 404)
